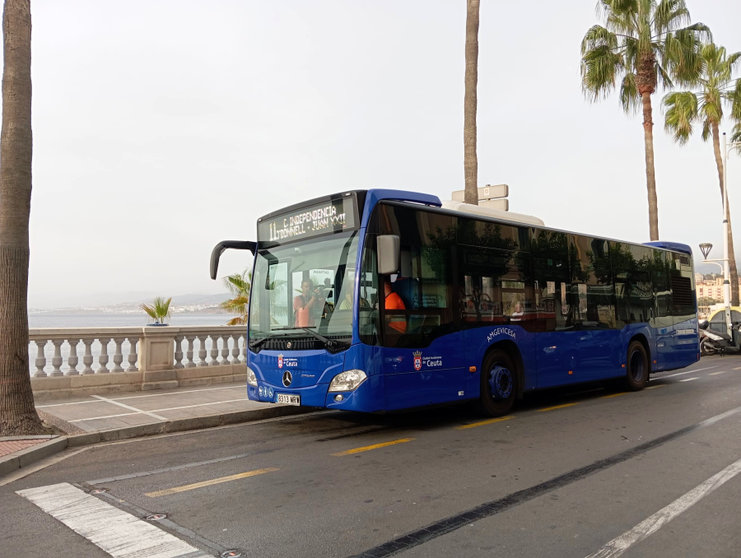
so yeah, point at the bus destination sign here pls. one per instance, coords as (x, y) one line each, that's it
(306, 222)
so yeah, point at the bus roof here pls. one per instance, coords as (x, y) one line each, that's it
(491, 212)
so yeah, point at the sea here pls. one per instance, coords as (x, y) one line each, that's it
(56, 319)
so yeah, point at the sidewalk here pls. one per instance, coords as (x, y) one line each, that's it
(97, 418)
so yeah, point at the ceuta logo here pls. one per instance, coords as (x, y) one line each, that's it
(280, 361)
(417, 360)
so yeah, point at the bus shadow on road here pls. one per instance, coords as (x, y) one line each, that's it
(446, 416)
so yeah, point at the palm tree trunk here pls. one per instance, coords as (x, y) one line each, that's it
(731, 253)
(17, 412)
(648, 138)
(470, 159)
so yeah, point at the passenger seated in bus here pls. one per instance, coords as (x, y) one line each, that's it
(392, 301)
(307, 305)
(346, 302)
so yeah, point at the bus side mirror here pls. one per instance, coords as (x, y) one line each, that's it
(388, 248)
(223, 245)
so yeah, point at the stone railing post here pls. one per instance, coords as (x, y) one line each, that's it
(157, 357)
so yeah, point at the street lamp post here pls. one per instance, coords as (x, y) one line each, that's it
(705, 248)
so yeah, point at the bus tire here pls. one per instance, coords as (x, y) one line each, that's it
(637, 366)
(499, 383)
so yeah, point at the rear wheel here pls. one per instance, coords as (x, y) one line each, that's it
(637, 366)
(707, 347)
(499, 384)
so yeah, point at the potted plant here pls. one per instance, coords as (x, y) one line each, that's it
(159, 311)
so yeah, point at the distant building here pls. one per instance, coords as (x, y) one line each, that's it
(709, 290)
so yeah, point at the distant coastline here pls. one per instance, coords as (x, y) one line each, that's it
(97, 318)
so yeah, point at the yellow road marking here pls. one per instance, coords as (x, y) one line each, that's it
(374, 446)
(193, 486)
(614, 395)
(657, 386)
(484, 422)
(556, 407)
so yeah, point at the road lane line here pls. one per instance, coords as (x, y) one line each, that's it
(610, 396)
(718, 373)
(114, 531)
(687, 372)
(648, 526)
(657, 386)
(484, 422)
(465, 518)
(556, 407)
(373, 447)
(187, 487)
(689, 379)
(129, 407)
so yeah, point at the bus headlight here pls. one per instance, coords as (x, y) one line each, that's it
(347, 380)
(251, 377)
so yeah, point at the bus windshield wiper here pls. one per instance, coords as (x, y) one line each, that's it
(330, 343)
(254, 345)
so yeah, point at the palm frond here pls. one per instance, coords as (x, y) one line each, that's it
(599, 69)
(629, 97)
(159, 310)
(681, 111)
(736, 137)
(239, 285)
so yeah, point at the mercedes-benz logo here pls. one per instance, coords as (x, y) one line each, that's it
(287, 378)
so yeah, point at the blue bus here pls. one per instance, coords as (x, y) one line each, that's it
(487, 305)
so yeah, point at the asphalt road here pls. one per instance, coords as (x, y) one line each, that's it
(580, 472)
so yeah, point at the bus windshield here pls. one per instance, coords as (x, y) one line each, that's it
(304, 289)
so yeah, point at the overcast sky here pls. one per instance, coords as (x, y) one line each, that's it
(163, 126)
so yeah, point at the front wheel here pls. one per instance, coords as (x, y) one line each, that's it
(637, 366)
(707, 347)
(499, 384)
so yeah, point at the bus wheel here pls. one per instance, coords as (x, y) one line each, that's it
(637, 366)
(498, 384)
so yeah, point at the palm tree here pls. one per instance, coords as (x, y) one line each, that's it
(641, 41)
(239, 285)
(159, 311)
(470, 159)
(17, 411)
(683, 108)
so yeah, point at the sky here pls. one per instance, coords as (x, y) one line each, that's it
(164, 126)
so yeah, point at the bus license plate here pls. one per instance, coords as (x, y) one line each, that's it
(289, 399)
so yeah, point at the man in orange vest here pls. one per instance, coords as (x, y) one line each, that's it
(392, 301)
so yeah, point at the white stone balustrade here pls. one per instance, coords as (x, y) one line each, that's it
(134, 357)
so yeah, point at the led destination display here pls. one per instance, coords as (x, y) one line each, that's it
(309, 221)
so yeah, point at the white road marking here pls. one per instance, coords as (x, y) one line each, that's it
(157, 410)
(689, 379)
(129, 407)
(718, 373)
(116, 532)
(170, 393)
(647, 527)
(686, 372)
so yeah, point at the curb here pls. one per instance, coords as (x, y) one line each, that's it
(25, 457)
(22, 458)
